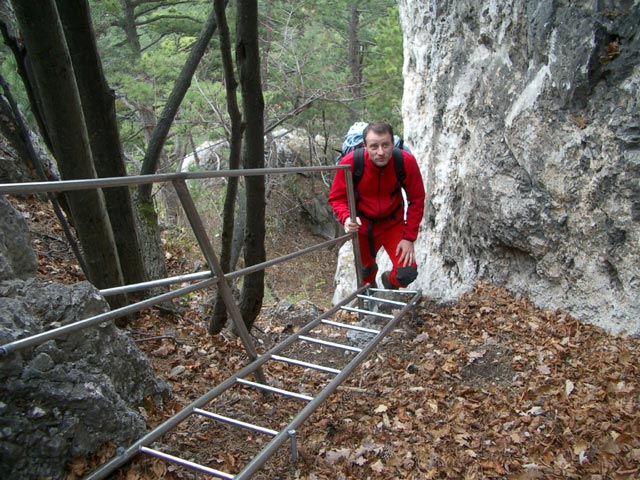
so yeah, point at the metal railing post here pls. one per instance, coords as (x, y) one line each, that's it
(214, 265)
(355, 243)
(294, 445)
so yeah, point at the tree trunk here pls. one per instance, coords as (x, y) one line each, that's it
(219, 318)
(129, 27)
(15, 42)
(151, 242)
(237, 243)
(58, 95)
(248, 59)
(266, 44)
(355, 53)
(158, 138)
(26, 170)
(150, 238)
(170, 198)
(98, 104)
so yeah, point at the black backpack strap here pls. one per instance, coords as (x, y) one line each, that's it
(398, 163)
(358, 167)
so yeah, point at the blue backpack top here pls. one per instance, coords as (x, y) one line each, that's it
(353, 139)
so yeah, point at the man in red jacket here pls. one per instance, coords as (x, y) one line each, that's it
(380, 220)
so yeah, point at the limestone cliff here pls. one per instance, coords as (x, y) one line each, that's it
(524, 116)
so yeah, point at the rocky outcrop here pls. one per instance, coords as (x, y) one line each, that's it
(525, 118)
(296, 148)
(69, 396)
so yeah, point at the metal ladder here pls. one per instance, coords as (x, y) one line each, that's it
(399, 301)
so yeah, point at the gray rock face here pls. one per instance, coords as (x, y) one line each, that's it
(525, 118)
(15, 259)
(66, 397)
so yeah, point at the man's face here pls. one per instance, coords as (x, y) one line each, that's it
(380, 147)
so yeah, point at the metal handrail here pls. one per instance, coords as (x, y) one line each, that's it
(229, 276)
(208, 278)
(84, 184)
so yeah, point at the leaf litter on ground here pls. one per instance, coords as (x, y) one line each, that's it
(488, 387)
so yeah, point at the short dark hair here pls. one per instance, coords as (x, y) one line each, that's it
(377, 127)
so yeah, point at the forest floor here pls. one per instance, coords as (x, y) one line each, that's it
(489, 387)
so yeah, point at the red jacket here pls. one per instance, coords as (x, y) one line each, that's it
(376, 197)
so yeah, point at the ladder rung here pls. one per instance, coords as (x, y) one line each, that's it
(186, 463)
(382, 300)
(233, 421)
(368, 312)
(305, 364)
(330, 344)
(404, 292)
(286, 393)
(351, 327)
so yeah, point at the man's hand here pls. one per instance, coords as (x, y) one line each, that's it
(405, 250)
(350, 226)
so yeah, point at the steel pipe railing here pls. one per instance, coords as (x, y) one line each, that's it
(39, 338)
(207, 279)
(84, 184)
(229, 276)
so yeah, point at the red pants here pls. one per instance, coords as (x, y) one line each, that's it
(387, 234)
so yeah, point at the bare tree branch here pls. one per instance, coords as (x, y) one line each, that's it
(167, 17)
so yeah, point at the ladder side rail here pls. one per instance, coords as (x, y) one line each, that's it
(123, 456)
(260, 459)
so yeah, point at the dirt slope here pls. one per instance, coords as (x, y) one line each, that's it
(490, 387)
